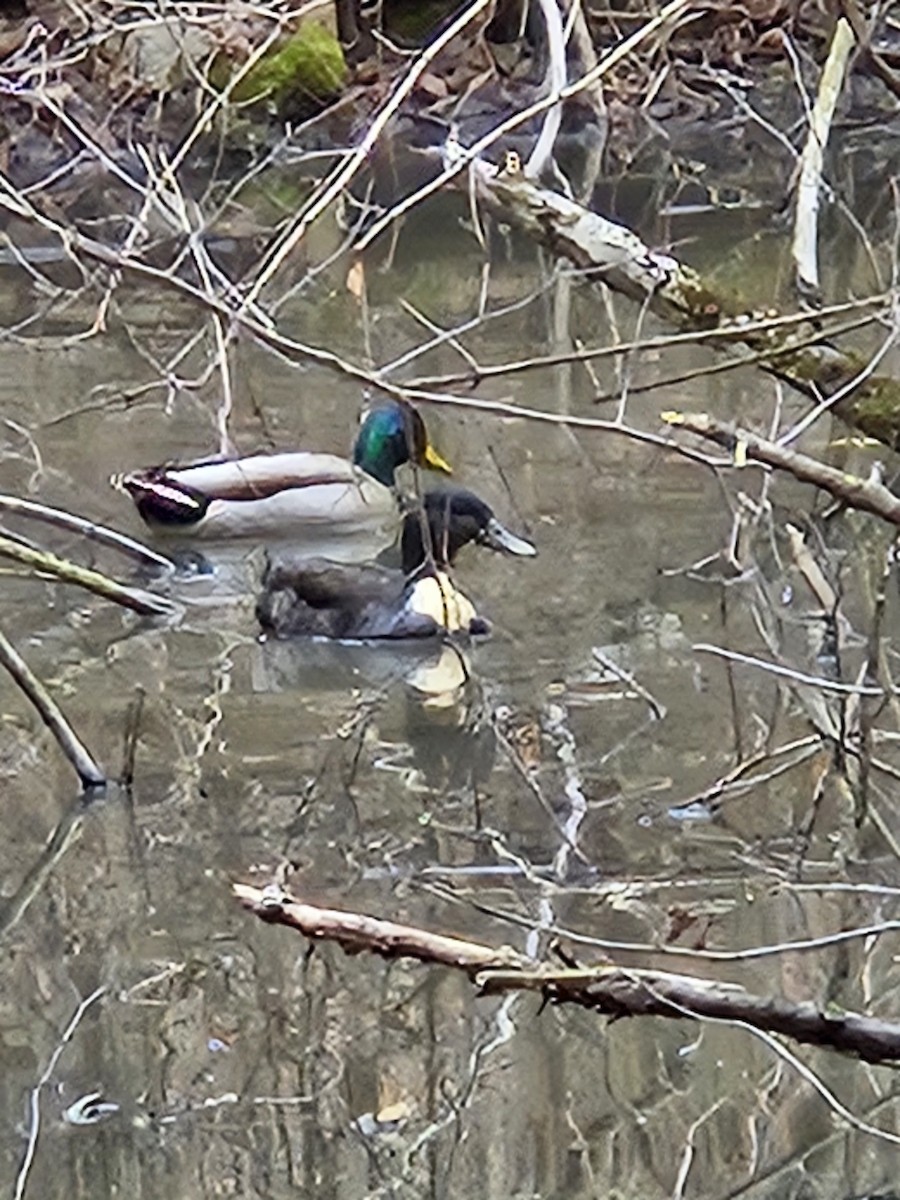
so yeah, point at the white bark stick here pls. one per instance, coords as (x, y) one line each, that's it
(554, 82)
(806, 221)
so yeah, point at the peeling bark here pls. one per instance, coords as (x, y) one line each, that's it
(802, 357)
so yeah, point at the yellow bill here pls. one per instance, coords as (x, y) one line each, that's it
(433, 459)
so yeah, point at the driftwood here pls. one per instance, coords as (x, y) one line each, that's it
(798, 353)
(613, 990)
(869, 495)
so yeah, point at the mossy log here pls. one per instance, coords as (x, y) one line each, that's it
(798, 353)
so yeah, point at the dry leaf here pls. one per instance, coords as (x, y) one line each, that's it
(356, 280)
(399, 1111)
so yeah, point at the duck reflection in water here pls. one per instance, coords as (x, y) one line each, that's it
(422, 699)
(448, 728)
(445, 742)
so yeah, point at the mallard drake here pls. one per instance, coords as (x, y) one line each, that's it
(316, 597)
(274, 494)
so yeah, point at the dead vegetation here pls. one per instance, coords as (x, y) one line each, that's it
(170, 154)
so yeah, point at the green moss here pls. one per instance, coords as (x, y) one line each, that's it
(276, 194)
(310, 64)
(875, 411)
(804, 365)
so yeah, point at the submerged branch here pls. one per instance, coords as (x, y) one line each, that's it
(608, 988)
(51, 714)
(14, 906)
(786, 672)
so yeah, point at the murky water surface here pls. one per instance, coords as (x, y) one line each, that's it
(541, 797)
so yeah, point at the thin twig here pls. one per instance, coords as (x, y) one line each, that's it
(722, 335)
(827, 685)
(90, 529)
(585, 83)
(345, 171)
(656, 708)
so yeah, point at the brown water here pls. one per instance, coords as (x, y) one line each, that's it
(243, 1065)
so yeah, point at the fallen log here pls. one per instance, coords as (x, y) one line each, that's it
(801, 354)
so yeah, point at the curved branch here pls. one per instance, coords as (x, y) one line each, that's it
(868, 495)
(90, 529)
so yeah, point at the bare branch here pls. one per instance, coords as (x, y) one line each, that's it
(136, 599)
(806, 223)
(51, 714)
(607, 988)
(90, 529)
(868, 495)
(827, 685)
(668, 14)
(349, 167)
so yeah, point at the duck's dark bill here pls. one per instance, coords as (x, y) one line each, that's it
(498, 537)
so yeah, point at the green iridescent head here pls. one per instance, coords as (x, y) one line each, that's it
(393, 434)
